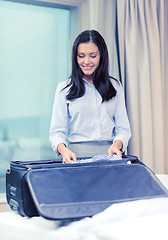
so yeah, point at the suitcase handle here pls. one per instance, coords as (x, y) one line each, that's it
(12, 191)
(13, 204)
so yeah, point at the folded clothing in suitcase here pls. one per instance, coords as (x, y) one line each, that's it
(70, 191)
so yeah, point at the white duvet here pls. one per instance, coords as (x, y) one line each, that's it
(141, 219)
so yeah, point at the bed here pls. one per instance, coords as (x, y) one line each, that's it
(140, 219)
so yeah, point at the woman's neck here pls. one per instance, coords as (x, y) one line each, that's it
(89, 79)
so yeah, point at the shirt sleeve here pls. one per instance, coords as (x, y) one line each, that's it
(58, 128)
(122, 126)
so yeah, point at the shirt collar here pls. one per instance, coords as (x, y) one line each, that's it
(86, 82)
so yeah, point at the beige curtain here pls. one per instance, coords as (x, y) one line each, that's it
(136, 33)
(141, 32)
(101, 16)
(166, 84)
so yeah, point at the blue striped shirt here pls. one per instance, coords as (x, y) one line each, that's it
(88, 119)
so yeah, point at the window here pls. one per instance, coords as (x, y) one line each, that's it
(34, 48)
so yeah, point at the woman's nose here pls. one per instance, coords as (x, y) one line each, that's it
(87, 60)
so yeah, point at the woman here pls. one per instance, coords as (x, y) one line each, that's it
(89, 108)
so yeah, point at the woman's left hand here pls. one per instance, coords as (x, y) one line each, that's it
(115, 149)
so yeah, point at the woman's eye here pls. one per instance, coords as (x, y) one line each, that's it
(91, 56)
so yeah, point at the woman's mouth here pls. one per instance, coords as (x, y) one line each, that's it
(87, 68)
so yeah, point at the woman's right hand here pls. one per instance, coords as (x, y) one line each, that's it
(66, 153)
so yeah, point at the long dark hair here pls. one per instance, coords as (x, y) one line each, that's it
(101, 78)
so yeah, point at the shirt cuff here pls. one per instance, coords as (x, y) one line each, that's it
(55, 143)
(124, 141)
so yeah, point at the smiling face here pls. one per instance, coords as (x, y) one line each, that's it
(88, 58)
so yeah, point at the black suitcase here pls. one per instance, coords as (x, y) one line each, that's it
(72, 191)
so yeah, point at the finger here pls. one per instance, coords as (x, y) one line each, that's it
(110, 152)
(119, 153)
(116, 151)
(66, 160)
(63, 160)
(74, 158)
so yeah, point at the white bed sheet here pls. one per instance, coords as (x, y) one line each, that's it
(141, 219)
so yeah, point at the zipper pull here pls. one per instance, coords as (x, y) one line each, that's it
(8, 171)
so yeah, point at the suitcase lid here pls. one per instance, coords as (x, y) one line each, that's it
(73, 191)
